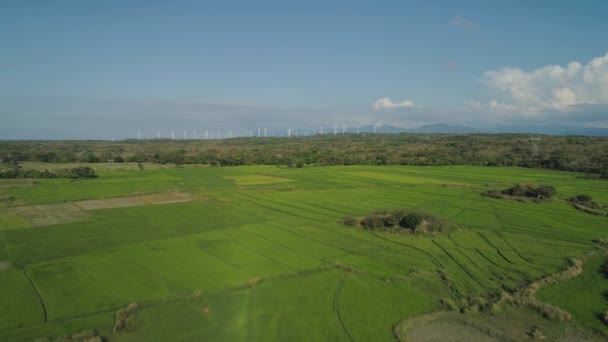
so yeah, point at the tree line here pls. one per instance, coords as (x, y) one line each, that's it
(569, 153)
(75, 172)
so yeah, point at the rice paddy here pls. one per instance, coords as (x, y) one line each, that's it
(258, 253)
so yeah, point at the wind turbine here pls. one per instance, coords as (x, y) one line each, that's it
(172, 135)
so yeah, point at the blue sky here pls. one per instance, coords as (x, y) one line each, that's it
(73, 69)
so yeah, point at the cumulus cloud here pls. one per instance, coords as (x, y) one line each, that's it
(386, 103)
(551, 88)
(463, 23)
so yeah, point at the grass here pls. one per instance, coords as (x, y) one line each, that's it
(584, 296)
(265, 247)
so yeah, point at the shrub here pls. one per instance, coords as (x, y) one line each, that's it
(411, 220)
(536, 333)
(398, 214)
(605, 269)
(449, 304)
(390, 221)
(526, 190)
(82, 172)
(581, 198)
(492, 194)
(372, 222)
(349, 221)
(546, 191)
(124, 318)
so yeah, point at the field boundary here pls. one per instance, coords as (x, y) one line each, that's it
(37, 293)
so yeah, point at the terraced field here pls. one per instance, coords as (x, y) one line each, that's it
(259, 253)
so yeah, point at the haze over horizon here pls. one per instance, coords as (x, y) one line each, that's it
(109, 69)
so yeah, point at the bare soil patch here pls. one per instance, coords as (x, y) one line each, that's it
(93, 204)
(43, 215)
(441, 330)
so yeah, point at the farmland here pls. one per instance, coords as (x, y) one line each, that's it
(259, 253)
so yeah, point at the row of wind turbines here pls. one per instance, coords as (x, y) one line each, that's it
(261, 133)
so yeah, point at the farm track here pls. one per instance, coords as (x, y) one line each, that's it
(250, 322)
(467, 272)
(498, 232)
(4, 246)
(96, 281)
(260, 254)
(336, 306)
(38, 294)
(343, 249)
(427, 253)
(483, 272)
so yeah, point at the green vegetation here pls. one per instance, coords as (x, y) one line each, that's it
(586, 204)
(406, 220)
(568, 153)
(522, 191)
(258, 253)
(583, 296)
(75, 172)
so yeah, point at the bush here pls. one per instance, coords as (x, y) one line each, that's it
(81, 172)
(372, 222)
(581, 199)
(526, 190)
(449, 304)
(411, 220)
(546, 191)
(536, 333)
(390, 221)
(123, 319)
(349, 221)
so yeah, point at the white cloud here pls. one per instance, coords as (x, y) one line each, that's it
(463, 23)
(386, 103)
(551, 88)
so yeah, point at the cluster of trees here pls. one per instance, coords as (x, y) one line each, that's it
(524, 190)
(585, 203)
(585, 154)
(76, 172)
(527, 190)
(413, 221)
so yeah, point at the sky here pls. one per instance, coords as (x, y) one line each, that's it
(110, 69)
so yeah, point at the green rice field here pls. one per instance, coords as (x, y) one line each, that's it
(259, 253)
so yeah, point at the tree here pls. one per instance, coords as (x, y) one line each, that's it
(82, 172)
(411, 221)
(88, 157)
(372, 222)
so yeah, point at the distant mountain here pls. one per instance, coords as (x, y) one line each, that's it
(382, 129)
(550, 130)
(456, 129)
